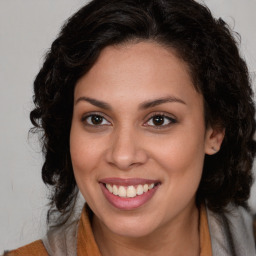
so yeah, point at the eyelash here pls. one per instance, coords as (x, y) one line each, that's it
(169, 119)
(84, 120)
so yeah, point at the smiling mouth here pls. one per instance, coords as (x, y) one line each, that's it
(130, 191)
(128, 194)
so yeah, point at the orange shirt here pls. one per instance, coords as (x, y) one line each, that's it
(86, 244)
(205, 239)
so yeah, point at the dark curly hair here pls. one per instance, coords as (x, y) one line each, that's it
(206, 44)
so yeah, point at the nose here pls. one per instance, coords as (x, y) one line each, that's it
(126, 150)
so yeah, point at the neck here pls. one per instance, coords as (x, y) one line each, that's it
(178, 237)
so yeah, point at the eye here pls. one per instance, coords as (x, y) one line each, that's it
(160, 120)
(95, 120)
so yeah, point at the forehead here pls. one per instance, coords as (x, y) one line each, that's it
(144, 69)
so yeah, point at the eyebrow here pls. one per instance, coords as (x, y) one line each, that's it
(156, 102)
(144, 105)
(97, 103)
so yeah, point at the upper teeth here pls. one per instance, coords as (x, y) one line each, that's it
(130, 191)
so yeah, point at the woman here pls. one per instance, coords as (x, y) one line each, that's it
(146, 109)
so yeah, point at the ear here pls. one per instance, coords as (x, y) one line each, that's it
(213, 139)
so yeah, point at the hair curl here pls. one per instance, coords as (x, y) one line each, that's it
(208, 47)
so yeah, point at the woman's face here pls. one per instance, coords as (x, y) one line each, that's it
(138, 139)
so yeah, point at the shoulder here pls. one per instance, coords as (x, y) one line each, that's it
(34, 249)
(232, 231)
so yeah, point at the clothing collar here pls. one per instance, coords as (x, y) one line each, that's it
(230, 233)
(86, 244)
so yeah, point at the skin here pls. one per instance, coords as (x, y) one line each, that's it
(127, 144)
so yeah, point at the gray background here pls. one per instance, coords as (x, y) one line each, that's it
(27, 28)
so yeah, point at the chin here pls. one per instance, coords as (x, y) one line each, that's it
(133, 227)
(132, 232)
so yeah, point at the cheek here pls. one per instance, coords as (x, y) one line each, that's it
(182, 157)
(83, 157)
(85, 150)
(180, 153)
(182, 162)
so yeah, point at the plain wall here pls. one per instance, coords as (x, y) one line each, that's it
(27, 28)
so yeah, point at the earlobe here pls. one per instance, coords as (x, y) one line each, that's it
(213, 140)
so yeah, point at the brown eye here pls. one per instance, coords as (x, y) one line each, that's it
(158, 120)
(95, 120)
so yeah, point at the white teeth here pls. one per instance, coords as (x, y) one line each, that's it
(122, 191)
(115, 190)
(109, 187)
(130, 191)
(145, 188)
(140, 190)
(151, 186)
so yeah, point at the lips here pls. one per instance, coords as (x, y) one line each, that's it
(128, 194)
(129, 191)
